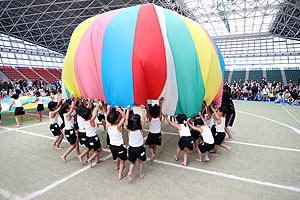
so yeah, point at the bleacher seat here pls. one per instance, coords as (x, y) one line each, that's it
(292, 74)
(274, 75)
(55, 72)
(45, 74)
(237, 75)
(255, 75)
(11, 73)
(29, 73)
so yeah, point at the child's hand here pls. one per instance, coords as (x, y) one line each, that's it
(166, 115)
(117, 107)
(142, 106)
(161, 99)
(128, 107)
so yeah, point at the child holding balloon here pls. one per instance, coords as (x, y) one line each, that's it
(136, 141)
(155, 119)
(185, 142)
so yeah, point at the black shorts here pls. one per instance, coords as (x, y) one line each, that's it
(82, 138)
(40, 107)
(19, 111)
(229, 118)
(54, 128)
(100, 117)
(219, 137)
(107, 139)
(204, 147)
(118, 152)
(93, 143)
(213, 129)
(71, 136)
(186, 142)
(196, 134)
(136, 152)
(153, 138)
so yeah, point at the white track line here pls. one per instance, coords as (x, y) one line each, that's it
(53, 185)
(294, 129)
(291, 188)
(244, 143)
(291, 114)
(6, 194)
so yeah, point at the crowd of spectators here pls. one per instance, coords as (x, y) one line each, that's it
(265, 91)
(26, 88)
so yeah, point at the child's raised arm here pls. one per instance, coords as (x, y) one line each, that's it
(161, 100)
(203, 119)
(13, 101)
(120, 124)
(36, 99)
(171, 123)
(68, 115)
(143, 116)
(127, 115)
(56, 111)
(95, 112)
(216, 115)
(193, 127)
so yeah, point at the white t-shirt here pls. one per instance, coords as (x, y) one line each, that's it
(207, 135)
(155, 125)
(18, 103)
(80, 122)
(136, 138)
(53, 120)
(184, 130)
(221, 127)
(69, 124)
(115, 135)
(90, 130)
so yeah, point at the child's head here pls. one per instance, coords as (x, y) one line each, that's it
(85, 113)
(198, 122)
(37, 94)
(154, 110)
(181, 119)
(222, 111)
(66, 106)
(15, 96)
(52, 105)
(112, 116)
(134, 122)
(53, 92)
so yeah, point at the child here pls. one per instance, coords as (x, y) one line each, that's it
(219, 133)
(67, 109)
(40, 106)
(208, 116)
(54, 127)
(81, 129)
(207, 143)
(19, 111)
(92, 139)
(0, 114)
(185, 143)
(101, 115)
(196, 134)
(54, 96)
(155, 119)
(136, 141)
(117, 147)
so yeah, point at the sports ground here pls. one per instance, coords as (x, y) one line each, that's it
(264, 163)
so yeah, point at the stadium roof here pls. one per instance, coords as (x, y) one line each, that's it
(50, 23)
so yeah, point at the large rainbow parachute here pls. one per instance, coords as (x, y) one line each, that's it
(127, 56)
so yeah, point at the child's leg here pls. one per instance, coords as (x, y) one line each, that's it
(21, 116)
(83, 154)
(77, 147)
(17, 121)
(104, 124)
(58, 142)
(96, 153)
(151, 149)
(206, 156)
(228, 133)
(200, 156)
(216, 154)
(228, 148)
(41, 116)
(177, 153)
(141, 166)
(117, 161)
(97, 157)
(87, 157)
(185, 152)
(69, 150)
(131, 166)
(38, 116)
(121, 169)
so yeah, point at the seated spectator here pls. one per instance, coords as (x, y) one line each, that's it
(279, 98)
(286, 95)
(272, 94)
(290, 100)
(265, 93)
(250, 96)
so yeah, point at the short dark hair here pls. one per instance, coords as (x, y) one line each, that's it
(134, 122)
(15, 96)
(85, 113)
(223, 110)
(198, 122)
(37, 93)
(65, 106)
(112, 116)
(52, 105)
(154, 110)
(181, 118)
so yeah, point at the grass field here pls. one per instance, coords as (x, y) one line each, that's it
(264, 163)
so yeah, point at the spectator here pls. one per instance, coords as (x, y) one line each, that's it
(266, 93)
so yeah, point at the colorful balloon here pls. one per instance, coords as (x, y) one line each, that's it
(127, 56)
